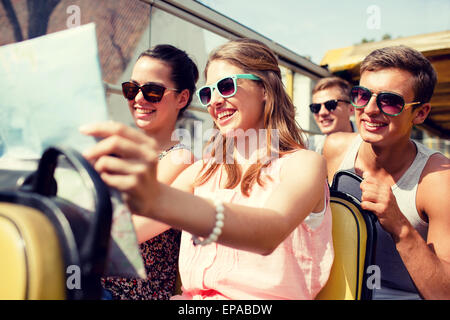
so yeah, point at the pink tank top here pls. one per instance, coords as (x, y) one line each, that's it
(297, 269)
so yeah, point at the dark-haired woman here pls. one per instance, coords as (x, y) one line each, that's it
(161, 87)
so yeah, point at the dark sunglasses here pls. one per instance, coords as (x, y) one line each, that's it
(226, 87)
(330, 105)
(391, 104)
(152, 92)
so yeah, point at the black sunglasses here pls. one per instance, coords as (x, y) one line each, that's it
(391, 104)
(152, 92)
(330, 105)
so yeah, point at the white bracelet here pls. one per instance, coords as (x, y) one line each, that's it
(217, 230)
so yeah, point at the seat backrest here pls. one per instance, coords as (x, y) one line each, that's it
(347, 182)
(354, 247)
(32, 263)
(46, 240)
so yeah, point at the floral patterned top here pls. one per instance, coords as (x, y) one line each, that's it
(160, 255)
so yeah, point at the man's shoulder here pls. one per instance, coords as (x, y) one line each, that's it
(341, 135)
(433, 195)
(438, 165)
(338, 142)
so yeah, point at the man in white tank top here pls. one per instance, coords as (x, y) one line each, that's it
(405, 184)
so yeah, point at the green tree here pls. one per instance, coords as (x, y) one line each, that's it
(364, 40)
(386, 36)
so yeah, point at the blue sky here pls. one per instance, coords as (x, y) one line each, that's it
(312, 27)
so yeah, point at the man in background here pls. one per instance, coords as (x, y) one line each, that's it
(331, 109)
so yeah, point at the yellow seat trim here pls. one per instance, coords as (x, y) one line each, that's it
(32, 265)
(346, 276)
(13, 265)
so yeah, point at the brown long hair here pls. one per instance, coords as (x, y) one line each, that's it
(255, 57)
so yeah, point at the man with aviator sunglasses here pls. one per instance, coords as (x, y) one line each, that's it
(406, 185)
(331, 109)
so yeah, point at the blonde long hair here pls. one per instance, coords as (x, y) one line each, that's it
(255, 57)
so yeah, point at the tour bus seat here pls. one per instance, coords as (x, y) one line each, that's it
(44, 239)
(354, 235)
(32, 264)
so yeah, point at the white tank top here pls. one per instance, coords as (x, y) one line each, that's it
(395, 280)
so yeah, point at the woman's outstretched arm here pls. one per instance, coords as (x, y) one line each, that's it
(261, 230)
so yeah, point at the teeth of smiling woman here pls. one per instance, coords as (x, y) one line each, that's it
(146, 111)
(224, 114)
(372, 124)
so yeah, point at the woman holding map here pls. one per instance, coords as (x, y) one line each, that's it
(255, 212)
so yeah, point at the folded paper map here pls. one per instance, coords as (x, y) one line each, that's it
(49, 87)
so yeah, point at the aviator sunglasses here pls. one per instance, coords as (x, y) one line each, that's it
(391, 104)
(226, 87)
(330, 105)
(152, 92)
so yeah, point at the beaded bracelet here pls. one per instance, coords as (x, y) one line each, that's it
(217, 230)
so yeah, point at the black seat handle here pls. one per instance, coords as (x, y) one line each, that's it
(348, 182)
(43, 183)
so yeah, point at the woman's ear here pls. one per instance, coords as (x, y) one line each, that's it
(421, 113)
(183, 98)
